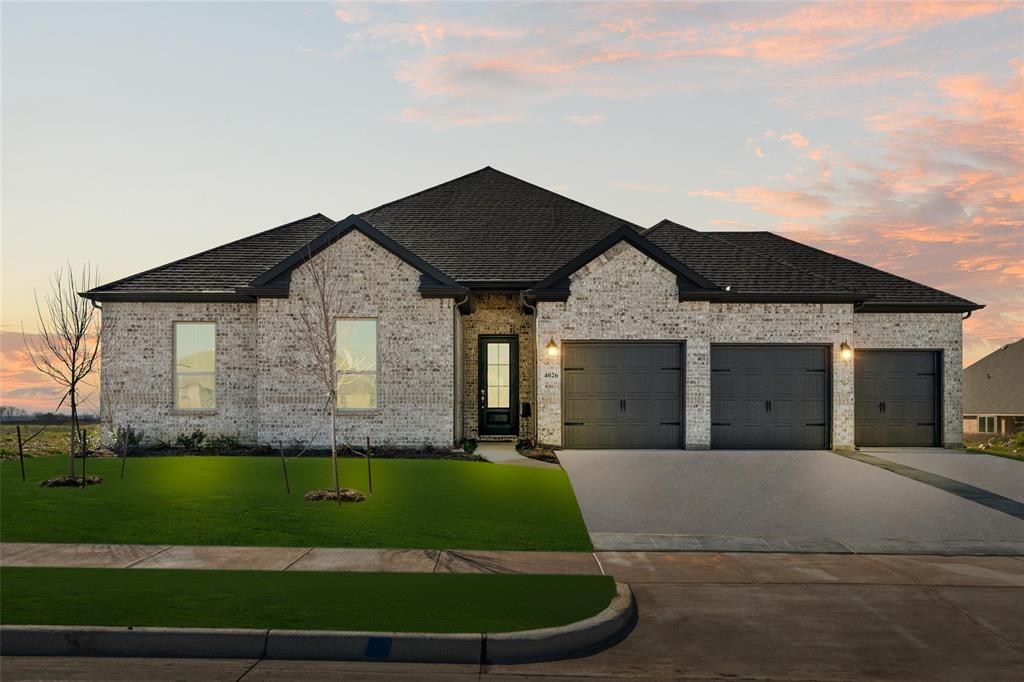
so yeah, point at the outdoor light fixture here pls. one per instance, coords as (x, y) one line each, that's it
(552, 349)
(845, 352)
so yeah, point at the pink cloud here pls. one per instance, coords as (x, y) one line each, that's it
(22, 385)
(584, 120)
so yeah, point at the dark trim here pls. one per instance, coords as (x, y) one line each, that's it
(883, 307)
(339, 230)
(168, 296)
(502, 284)
(513, 383)
(557, 280)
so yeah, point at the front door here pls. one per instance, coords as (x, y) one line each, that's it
(498, 383)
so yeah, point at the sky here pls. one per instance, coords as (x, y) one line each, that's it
(134, 134)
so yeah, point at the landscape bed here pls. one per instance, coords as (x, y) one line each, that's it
(398, 602)
(417, 504)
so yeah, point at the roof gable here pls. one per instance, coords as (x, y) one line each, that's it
(276, 280)
(490, 229)
(555, 287)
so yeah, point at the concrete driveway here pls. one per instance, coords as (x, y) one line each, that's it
(773, 500)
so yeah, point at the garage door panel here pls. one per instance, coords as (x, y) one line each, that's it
(896, 398)
(769, 397)
(622, 395)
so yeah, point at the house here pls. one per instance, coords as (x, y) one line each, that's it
(488, 307)
(994, 392)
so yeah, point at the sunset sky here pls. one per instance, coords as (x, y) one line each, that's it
(138, 133)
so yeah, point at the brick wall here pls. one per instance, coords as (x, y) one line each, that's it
(623, 295)
(137, 375)
(415, 337)
(256, 398)
(926, 331)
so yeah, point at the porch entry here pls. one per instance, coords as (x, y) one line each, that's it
(498, 383)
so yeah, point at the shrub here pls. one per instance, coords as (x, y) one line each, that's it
(222, 443)
(191, 441)
(468, 444)
(122, 437)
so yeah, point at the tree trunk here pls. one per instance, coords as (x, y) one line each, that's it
(334, 445)
(73, 436)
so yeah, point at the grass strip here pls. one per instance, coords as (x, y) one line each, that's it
(399, 602)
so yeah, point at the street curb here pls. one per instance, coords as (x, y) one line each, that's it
(568, 641)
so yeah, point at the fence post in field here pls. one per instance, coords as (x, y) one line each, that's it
(369, 473)
(284, 467)
(21, 452)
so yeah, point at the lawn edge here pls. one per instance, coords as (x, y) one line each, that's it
(580, 638)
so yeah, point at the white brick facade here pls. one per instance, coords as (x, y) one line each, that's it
(427, 357)
(924, 331)
(623, 295)
(257, 399)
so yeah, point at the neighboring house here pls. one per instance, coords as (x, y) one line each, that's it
(994, 392)
(488, 307)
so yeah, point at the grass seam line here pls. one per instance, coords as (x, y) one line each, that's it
(136, 563)
(298, 559)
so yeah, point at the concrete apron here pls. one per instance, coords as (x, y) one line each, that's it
(582, 638)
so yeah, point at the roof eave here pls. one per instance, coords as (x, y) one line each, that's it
(167, 296)
(916, 307)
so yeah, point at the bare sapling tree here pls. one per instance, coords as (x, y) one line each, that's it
(313, 330)
(66, 347)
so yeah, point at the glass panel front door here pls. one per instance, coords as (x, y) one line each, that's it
(498, 383)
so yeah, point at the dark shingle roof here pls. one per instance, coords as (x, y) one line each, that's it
(742, 270)
(995, 384)
(882, 287)
(488, 228)
(491, 227)
(225, 267)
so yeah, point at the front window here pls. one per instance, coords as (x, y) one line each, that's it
(986, 424)
(195, 360)
(356, 364)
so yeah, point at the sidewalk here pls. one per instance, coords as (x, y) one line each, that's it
(630, 567)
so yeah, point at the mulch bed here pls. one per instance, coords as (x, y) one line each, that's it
(347, 495)
(70, 481)
(541, 454)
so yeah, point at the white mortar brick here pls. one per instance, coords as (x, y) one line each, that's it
(924, 331)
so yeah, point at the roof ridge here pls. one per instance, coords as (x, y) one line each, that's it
(841, 285)
(423, 191)
(511, 177)
(665, 221)
(104, 287)
(864, 265)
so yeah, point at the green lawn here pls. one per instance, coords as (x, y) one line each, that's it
(409, 602)
(437, 504)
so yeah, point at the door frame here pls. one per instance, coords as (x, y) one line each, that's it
(829, 371)
(939, 360)
(513, 381)
(682, 377)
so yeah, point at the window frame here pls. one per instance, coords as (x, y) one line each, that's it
(376, 364)
(987, 420)
(174, 368)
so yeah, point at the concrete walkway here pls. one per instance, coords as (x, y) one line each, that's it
(629, 567)
(714, 616)
(500, 452)
(294, 559)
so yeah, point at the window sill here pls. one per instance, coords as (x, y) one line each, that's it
(178, 412)
(352, 411)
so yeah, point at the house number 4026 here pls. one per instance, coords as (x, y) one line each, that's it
(550, 375)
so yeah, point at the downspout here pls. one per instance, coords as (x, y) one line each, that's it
(967, 315)
(536, 366)
(458, 428)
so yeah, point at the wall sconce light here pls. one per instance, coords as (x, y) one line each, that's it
(552, 349)
(845, 352)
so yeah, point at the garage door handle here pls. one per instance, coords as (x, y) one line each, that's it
(669, 423)
(721, 423)
(574, 423)
(767, 406)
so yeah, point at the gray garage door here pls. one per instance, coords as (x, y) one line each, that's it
(896, 397)
(769, 397)
(622, 395)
